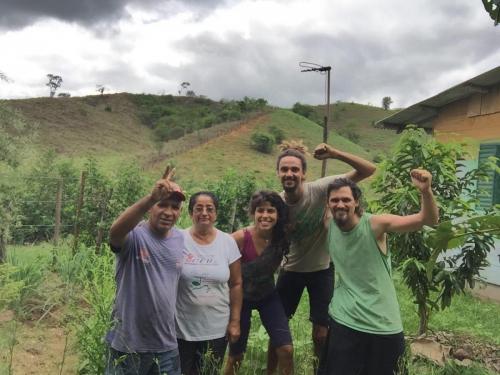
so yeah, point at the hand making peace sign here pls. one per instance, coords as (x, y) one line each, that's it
(165, 188)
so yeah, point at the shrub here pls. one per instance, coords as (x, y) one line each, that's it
(303, 109)
(277, 133)
(350, 134)
(175, 133)
(262, 142)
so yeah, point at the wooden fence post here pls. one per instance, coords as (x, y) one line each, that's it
(57, 226)
(79, 204)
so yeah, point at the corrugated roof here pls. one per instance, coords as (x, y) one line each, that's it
(423, 112)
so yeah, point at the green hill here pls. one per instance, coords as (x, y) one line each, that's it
(356, 122)
(120, 127)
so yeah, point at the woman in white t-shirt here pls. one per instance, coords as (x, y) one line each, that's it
(210, 290)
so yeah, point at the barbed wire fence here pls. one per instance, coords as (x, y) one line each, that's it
(72, 206)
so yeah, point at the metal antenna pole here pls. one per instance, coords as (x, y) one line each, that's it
(312, 67)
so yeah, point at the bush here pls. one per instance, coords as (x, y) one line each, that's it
(262, 142)
(303, 109)
(175, 133)
(277, 133)
(350, 134)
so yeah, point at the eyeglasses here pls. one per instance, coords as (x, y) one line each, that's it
(200, 209)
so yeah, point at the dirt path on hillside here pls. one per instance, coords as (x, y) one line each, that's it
(245, 128)
(210, 135)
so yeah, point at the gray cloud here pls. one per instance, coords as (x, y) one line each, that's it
(405, 65)
(20, 13)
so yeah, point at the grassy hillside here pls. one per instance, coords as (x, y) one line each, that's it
(233, 151)
(354, 120)
(120, 127)
(93, 125)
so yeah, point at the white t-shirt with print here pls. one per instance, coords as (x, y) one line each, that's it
(203, 294)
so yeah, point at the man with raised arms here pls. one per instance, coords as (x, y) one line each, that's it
(366, 332)
(308, 264)
(148, 265)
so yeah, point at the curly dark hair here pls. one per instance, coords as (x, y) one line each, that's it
(280, 230)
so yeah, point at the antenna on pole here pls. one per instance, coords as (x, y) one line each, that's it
(313, 67)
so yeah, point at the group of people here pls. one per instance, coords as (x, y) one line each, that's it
(183, 296)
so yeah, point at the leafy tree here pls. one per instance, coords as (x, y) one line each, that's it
(3, 77)
(262, 142)
(233, 191)
(303, 109)
(190, 93)
(386, 102)
(183, 86)
(493, 8)
(433, 281)
(54, 83)
(15, 134)
(277, 133)
(100, 89)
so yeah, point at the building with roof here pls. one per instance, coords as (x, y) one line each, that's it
(470, 112)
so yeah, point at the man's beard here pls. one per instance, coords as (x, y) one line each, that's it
(341, 220)
(290, 189)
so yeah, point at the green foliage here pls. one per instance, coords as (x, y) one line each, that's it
(303, 109)
(418, 253)
(277, 133)
(98, 292)
(262, 142)
(10, 288)
(350, 133)
(493, 8)
(233, 191)
(386, 102)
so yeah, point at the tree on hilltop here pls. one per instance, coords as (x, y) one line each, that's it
(101, 89)
(183, 86)
(54, 83)
(386, 102)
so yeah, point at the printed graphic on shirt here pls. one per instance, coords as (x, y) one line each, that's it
(192, 259)
(144, 256)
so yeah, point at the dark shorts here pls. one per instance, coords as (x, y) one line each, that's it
(202, 357)
(319, 284)
(351, 352)
(120, 363)
(273, 319)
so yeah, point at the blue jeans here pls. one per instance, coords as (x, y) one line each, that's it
(164, 363)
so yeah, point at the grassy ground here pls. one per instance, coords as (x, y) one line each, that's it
(360, 119)
(40, 343)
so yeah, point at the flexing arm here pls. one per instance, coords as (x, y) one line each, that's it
(362, 168)
(428, 214)
(235, 301)
(134, 214)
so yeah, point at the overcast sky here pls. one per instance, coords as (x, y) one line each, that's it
(408, 50)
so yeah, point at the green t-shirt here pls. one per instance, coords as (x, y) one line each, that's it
(364, 298)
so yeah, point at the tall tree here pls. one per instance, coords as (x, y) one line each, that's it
(386, 102)
(432, 274)
(183, 86)
(493, 8)
(4, 77)
(54, 83)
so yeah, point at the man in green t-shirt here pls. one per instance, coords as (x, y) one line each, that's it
(366, 332)
(308, 264)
